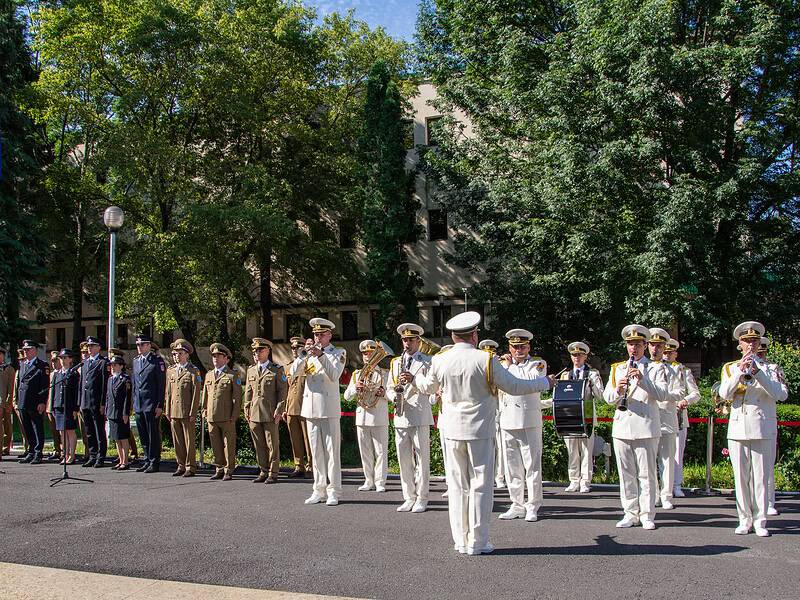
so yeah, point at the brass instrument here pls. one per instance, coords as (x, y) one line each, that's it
(428, 347)
(370, 376)
(308, 369)
(721, 405)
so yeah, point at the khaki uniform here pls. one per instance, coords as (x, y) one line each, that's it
(222, 400)
(182, 399)
(298, 431)
(263, 393)
(7, 378)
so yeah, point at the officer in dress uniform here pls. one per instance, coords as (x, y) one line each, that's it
(412, 420)
(772, 510)
(55, 366)
(436, 400)
(521, 425)
(66, 403)
(149, 385)
(33, 381)
(7, 377)
(499, 458)
(290, 411)
(753, 386)
(94, 384)
(265, 391)
(222, 403)
(372, 421)
(635, 387)
(322, 410)
(689, 394)
(467, 377)
(118, 409)
(182, 398)
(112, 352)
(580, 451)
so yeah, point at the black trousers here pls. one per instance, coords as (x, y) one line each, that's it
(33, 423)
(96, 439)
(150, 435)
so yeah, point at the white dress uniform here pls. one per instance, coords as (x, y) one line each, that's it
(372, 430)
(636, 432)
(752, 430)
(499, 455)
(466, 376)
(691, 393)
(322, 411)
(580, 451)
(771, 508)
(521, 425)
(412, 429)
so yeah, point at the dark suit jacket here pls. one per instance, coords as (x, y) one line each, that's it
(149, 382)
(33, 382)
(118, 399)
(94, 382)
(66, 387)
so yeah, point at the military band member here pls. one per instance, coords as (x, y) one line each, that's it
(94, 379)
(521, 426)
(149, 385)
(690, 394)
(182, 401)
(580, 450)
(772, 510)
(753, 386)
(33, 381)
(372, 421)
(119, 406)
(322, 410)
(265, 391)
(467, 377)
(290, 410)
(66, 404)
(436, 400)
(499, 458)
(637, 385)
(7, 377)
(222, 403)
(55, 366)
(412, 419)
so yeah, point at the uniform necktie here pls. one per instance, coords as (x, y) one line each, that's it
(408, 362)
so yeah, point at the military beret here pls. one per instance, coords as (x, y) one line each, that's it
(633, 333)
(658, 335)
(748, 330)
(182, 344)
(217, 348)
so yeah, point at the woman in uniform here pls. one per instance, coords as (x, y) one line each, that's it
(118, 410)
(65, 404)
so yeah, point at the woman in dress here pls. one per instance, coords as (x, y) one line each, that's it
(65, 404)
(118, 410)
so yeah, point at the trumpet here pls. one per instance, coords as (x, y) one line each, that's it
(749, 372)
(304, 353)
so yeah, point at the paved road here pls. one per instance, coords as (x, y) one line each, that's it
(239, 533)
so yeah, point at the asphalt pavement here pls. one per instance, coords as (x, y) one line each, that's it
(262, 536)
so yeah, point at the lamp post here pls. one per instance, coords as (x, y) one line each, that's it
(113, 218)
(465, 298)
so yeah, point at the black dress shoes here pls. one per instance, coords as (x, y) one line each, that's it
(143, 467)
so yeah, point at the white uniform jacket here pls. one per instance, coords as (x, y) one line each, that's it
(522, 412)
(753, 415)
(417, 404)
(668, 407)
(641, 421)
(467, 377)
(688, 386)
(369, 417)
(321, 395)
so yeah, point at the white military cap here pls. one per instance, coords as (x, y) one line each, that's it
(465, 322)
(367, 345)
(673, 344)
(658, 335)
(578, 348)
(765, 342)
(518, 336)
(319, 325)
(748, 330)
(632, 333)
(488, 344)
(409, 330)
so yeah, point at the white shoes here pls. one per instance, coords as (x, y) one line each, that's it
(314, 498)
(380, 488)
(649, 525)
(332, 501)
(667, 505)
(530, 515)
(772, 511)
(365, 488)
(420, 506)
(627, 522)
(572, 487)
(762, 532)
(512, 513)
(406, 506)
(460, 549)
(487, 549)
(742, 530)
(585, 488)
(499, 484)
(678, 492)
(444, 494)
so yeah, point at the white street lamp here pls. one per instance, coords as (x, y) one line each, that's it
(113, 217)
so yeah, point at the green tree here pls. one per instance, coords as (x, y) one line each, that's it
(629, 161)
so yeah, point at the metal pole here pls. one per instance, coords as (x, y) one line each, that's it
(709, 451)
(112, 267)
(465, 299)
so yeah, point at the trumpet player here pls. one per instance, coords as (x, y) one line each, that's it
(753, 386)
(635, 387)
(689, 394)
(368, 387)
(412, 420)
(499, 460)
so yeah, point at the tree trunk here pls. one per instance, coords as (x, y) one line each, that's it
(265, 293)
(77, 311)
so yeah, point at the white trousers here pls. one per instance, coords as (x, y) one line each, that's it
(772, 474)
(444, 455)
(470, 490)
(499, 458)
(523, 450)
(580, 465)
(752, 461)
(680, 448)
(638, 485)
(414, 475)
(325, 439)
(666, 464)
(373, 441)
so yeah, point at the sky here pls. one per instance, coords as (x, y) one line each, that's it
(397, 17)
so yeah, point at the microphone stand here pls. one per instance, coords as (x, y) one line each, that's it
(65, 476)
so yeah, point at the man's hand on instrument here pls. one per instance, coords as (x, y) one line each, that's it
(314, 351)
(380, 392)
(359, 386)
(634, 373)
(405, 378)
(682, 404)
(506, 357)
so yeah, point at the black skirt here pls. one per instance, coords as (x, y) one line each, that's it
(119, 429)
(64, 422)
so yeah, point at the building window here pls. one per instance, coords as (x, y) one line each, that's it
(347, 234)
(297, 325)
(61, 338)
(102, 335)
(407, 130)
(122, 336)
(437, 224)
(441, 314)
(433, 126)
(349, 325)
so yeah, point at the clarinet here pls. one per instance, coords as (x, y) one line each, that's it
(623, 403)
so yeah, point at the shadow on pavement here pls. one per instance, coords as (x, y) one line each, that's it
(608, 546)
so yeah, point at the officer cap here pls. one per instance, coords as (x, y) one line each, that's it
(632, 333)
(518, 336)
(367, 346)
(143, 338)
(116, 352)
(578, 348)
(182, 344)
(672, 344)
(259, 343)
(117, 360)
(92, 341)
(217, 348)
(463, 323)
(29, 345)
(319, 325)
(658, 335)
(409, 330)
(748, 330)
(54, 354)
(296, 341)
(65, 353)
(765, 342)
(484, 344)
(84, 347)
(20, 353)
